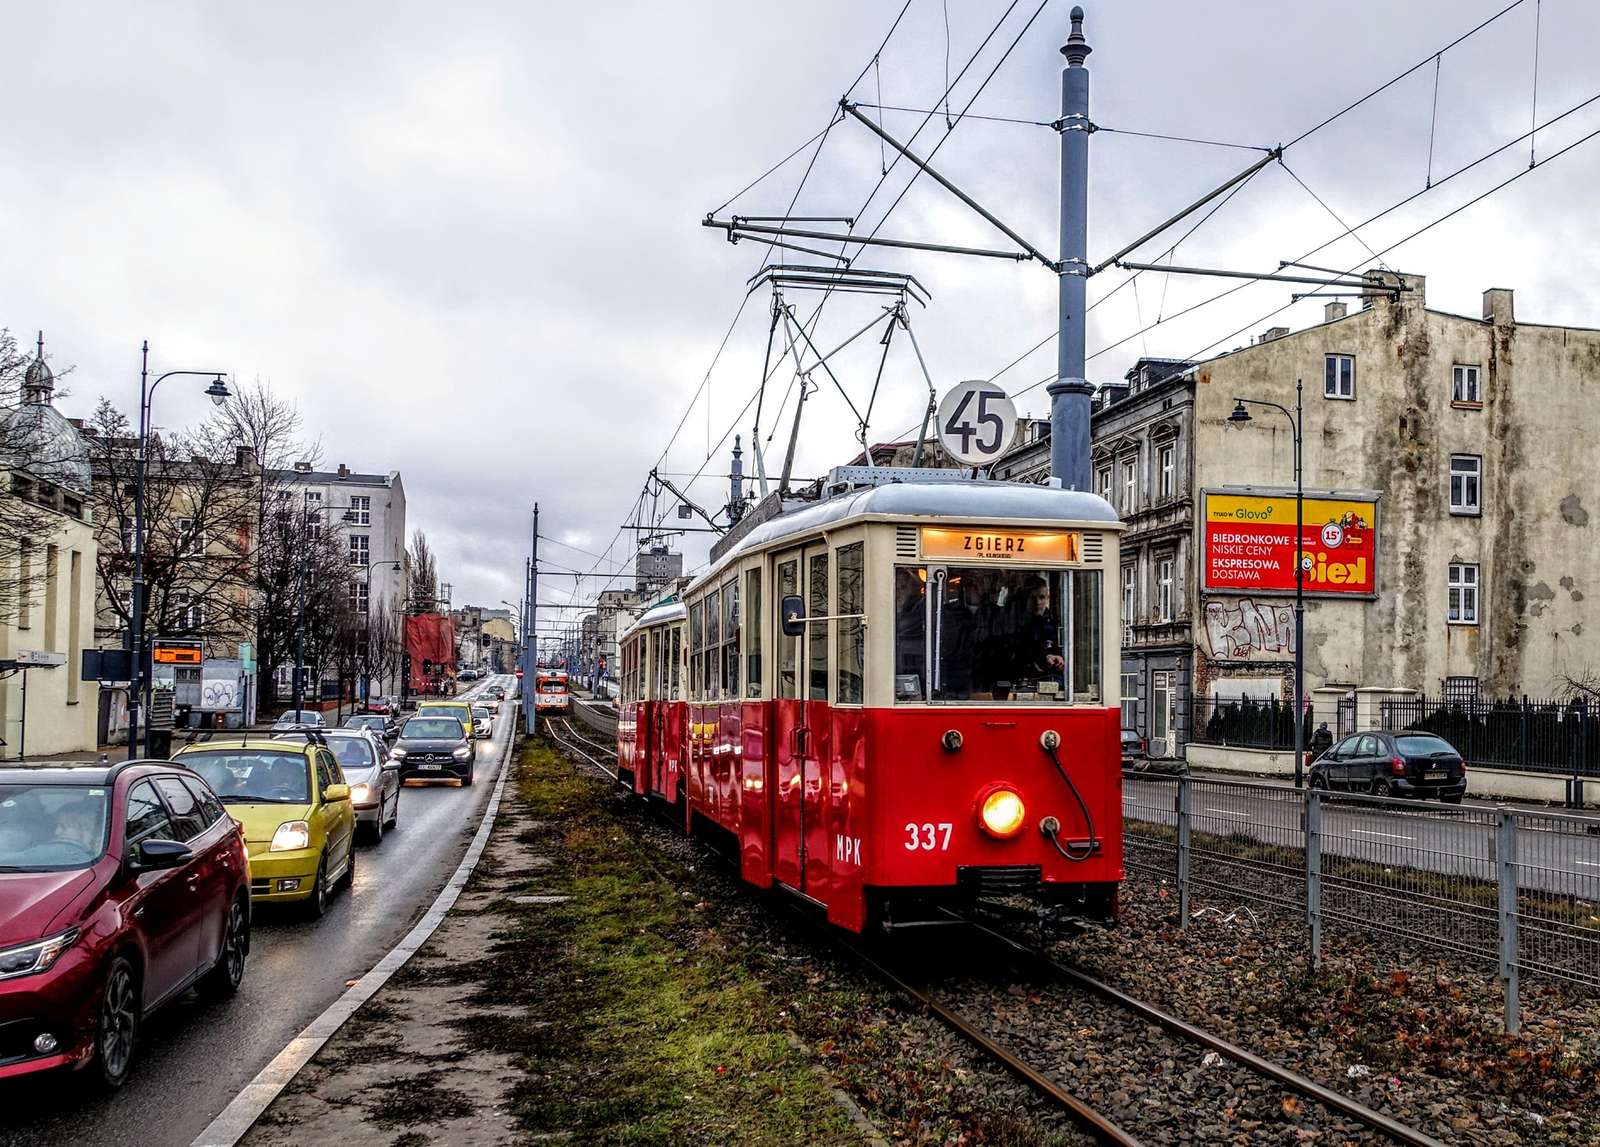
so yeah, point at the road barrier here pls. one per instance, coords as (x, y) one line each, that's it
(1515, 890)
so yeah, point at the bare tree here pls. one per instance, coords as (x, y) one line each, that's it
(424, 575)
(385, 642)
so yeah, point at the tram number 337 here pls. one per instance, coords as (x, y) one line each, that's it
(927, 837)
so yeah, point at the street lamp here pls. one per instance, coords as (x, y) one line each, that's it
(1240, 414)
(218, 392)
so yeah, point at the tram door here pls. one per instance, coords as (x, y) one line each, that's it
(799, 718)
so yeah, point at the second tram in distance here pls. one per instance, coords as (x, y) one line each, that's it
(896, 697)
(550, 694)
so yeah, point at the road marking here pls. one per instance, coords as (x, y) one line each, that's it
(1589, 864)
(1390, 835)
(1229, 812)
(245, 1108)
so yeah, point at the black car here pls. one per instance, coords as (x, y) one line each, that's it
(1133, 746)
(1385, 763)
(434, 748)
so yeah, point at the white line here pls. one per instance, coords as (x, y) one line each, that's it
(1588, 864)
(1390, 835)
(245, 1108)
(1229, 812)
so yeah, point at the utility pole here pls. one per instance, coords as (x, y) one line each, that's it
(530, 620)
(1069, 393)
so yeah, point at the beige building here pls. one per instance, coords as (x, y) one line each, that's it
(45, 707)
(1477, 435)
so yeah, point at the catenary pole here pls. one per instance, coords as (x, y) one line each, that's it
(1069, 393)
(530, 647)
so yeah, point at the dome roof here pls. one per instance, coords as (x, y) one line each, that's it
(36, 439)
(38, 381)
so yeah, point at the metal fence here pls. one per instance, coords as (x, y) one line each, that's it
(1539, 736)
(1247, 722)
(1516, 891)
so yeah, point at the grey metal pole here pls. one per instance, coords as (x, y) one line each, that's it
(1069, 393)
(530, 620)
(1299, 593)
(136, 615)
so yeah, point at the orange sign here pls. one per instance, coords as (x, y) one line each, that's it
(176, 654)
(1006, 545)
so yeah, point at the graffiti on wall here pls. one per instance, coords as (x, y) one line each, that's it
(1244, 630)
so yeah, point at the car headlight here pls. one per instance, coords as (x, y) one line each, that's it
(360, 792)
(291, 834)
(463, 752)
(1002, 813)
(26, 959)
(398, 753)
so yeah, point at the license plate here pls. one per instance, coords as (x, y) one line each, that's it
(431, 765)
(1438, 775)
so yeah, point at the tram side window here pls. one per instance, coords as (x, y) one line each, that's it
(910, 632)
(752, 641)
(730, 640)
(847, 630)
(677, 658)
(817, 631)
(696, 643)
(788, 647)
(1083, 588)
(711, 669)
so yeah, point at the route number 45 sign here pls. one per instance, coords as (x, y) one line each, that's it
(976, 422)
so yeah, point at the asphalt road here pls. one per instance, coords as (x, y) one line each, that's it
(194, 1056)
(1554, 853)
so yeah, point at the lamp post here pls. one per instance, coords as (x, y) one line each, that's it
(1240, 414)
(218, 393)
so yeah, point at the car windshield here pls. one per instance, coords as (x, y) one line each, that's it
(253, 776)
(352, 752)
(480, 714)
(47, 828)
(300, 717)
(1423, 745)
(432, 729)
(363, 723)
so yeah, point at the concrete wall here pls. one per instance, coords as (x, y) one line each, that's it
(1535, 540)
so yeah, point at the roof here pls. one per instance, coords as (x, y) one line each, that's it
(74, 772)
(333, 477)
(47, 446)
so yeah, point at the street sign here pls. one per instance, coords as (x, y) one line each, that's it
(38, 658)
(976, 421)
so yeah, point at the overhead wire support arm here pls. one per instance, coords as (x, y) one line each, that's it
(1344, 279)
(926, 168)
(1116, 259)
(866, 240)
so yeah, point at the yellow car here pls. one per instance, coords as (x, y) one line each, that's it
(461, 709)
(299, 822)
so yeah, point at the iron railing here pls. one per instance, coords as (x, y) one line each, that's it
(1541, 736)
(1247, 722)
(1513, 890)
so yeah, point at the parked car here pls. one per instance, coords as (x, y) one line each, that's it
(300, 719)
(380, 725)
(374, 778)
(1133, 746)
(482, 722)
(1390, 763)
(121, 886)
(299, 824)
(435, 745)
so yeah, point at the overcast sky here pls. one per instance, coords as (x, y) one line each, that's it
(466, 239)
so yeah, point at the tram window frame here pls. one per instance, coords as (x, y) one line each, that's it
(696, 641)
(677, 660)
(730, 639)
(711, 655)
(754, 622)
(849, 632)
(817, 598)
(787, 681)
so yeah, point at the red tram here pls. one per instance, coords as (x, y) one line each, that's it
(550, 693)
(895, 697)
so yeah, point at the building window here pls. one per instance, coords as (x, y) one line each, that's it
(1466, 473)
(191, 540)
(1464, 593)
(1339, 376)
(1130, 595)
(1130, 701)
(1160, 711)
(313, 513)
(359, 592)
(1130, 483)
(1103, 481)
(187, 614)
(1460, 690)
(361, 510)
(360, 549)
(1167, 471)
(1164, 588)
(1464, 385)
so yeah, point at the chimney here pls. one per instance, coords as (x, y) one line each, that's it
(344, 471)
(302, 467)
(1334, 311)
(1497, 307)
(1273, 333)
(244, 456)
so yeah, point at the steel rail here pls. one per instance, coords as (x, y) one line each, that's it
(1101, 1127)
(1293, 1080)
(569, 743)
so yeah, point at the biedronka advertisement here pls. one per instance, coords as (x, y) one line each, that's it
(1249, 544)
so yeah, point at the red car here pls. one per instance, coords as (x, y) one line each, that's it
(121, 886)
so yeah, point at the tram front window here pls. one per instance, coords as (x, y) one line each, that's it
(997, 634)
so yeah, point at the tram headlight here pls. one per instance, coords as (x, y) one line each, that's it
(1002, 813)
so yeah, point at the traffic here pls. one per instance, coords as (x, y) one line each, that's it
(134, 888)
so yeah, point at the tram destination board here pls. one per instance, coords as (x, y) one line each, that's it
(1008, 545)
(1250, 543)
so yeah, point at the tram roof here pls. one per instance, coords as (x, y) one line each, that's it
(666, 611)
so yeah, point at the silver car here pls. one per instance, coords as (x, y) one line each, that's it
(482, 722)
(373, 778)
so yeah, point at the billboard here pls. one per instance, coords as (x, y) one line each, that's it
(1249, 542)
